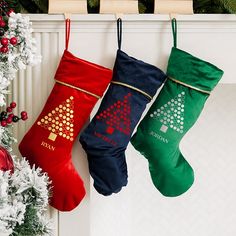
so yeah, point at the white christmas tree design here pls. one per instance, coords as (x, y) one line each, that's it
(117, 116)
(60, 121)
(171, 114)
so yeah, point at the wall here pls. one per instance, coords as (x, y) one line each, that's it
(209, 207)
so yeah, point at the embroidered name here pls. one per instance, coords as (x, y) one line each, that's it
(158, 136)
(106, 139)
(48, 146)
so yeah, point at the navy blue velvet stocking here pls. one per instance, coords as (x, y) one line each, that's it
(106, 138)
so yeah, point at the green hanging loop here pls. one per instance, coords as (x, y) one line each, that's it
(174, 31)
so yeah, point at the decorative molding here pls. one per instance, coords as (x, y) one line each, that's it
(135, 17)
(136, 23)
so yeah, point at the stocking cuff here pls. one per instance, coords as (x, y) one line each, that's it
(83, 75)
(137, 74)
(187, 69)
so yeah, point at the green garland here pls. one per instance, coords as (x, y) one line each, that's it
(32, 227)
(215, 6)
(145, 6)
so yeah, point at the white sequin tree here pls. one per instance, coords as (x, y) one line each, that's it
(171, 114)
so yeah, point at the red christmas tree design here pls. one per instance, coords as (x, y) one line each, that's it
(60, 121)
(117, 116)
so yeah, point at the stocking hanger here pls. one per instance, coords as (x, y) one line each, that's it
(67, 7)
(119, 7)
(173, 7)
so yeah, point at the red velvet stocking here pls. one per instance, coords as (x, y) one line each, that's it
(49, 142)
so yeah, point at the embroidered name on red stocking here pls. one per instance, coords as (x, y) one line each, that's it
(60, 121)
(117, 116)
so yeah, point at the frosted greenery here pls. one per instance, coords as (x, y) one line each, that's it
(24, 194)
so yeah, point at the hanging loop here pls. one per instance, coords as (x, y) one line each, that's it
(67, 33)
(174, 31)
(119, 32)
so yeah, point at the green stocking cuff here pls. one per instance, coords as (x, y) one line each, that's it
(193, 71)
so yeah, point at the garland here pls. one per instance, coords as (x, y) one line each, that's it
(20, 52)
(23, 201)
(24, 190)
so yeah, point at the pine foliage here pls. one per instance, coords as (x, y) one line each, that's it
(145, 6)
(214, 6)
(31, 225)
(229, 5)
(93, 3)
(34, 6)
(14, 4)
(41, 4)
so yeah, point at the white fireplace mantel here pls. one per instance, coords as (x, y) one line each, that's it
(139, 209)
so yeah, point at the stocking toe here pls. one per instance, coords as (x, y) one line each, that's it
(70, 188)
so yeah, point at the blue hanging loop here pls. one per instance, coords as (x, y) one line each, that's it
(119, 32)
(174, 31)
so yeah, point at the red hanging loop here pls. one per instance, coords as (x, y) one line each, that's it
(67, 33)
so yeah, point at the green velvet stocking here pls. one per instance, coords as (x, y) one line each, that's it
(176, 109)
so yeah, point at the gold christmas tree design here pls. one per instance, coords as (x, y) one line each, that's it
(60, 121)
(171, 114)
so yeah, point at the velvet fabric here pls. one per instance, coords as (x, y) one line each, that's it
(173, 113)
(49, 141)
(195, 72)
(107, 136)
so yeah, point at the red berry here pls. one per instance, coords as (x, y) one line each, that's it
(11, 115)
(9, 109)
(10, 11)
(23, 113)
(1, 18)
(4, 41)
(13, 41)
(3, 123)
(4, 49)
(2, 23)
(9, 120)
(24, 117)
(13, 104)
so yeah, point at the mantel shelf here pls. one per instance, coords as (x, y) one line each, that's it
(135, 17)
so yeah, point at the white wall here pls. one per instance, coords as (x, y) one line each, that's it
(209, 207)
